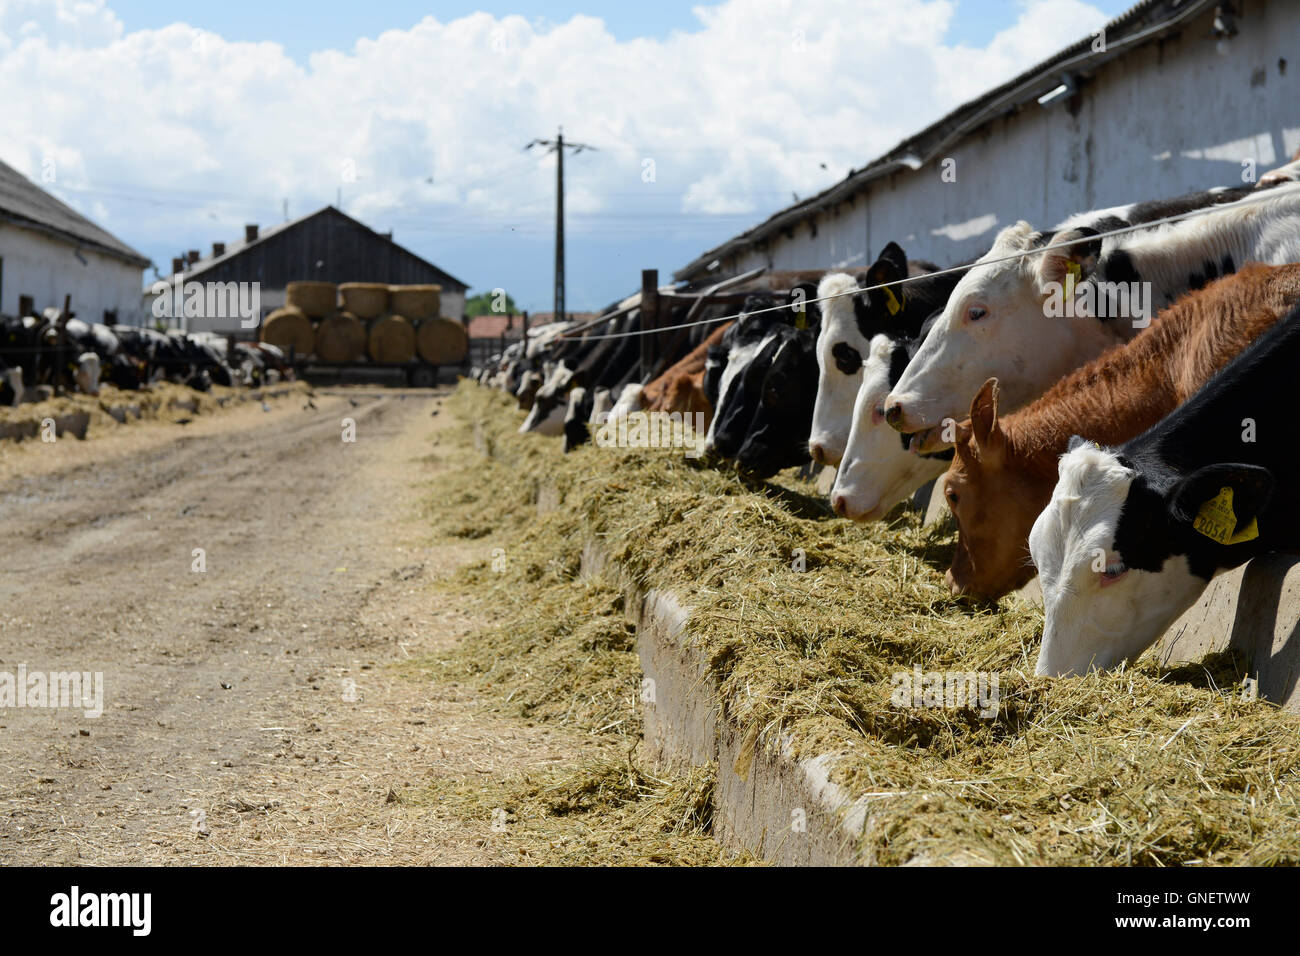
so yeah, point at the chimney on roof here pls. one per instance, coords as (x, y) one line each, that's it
(250, 232)
(193, 256)
(178, 265)
(218, 249)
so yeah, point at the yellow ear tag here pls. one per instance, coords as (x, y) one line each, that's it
(801, 318)
(1216, 520)
(891, 301)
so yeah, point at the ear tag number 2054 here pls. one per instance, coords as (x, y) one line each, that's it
(1216, 520)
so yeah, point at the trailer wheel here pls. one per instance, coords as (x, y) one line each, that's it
(423, 376)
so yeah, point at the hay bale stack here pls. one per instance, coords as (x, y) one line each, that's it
(365, 300)
(416, 302)
(316, 299)
(441, 341)
(289, 328)
(392, 339)
(341, 337)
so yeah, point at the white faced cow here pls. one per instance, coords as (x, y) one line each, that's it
(1029, 320)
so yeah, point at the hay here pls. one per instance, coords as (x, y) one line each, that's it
(441, 341)
(340, 337)
(315, 299)
(1146, 766)
(391, 340)
(290, 329)
(416, 302)
(365, 300)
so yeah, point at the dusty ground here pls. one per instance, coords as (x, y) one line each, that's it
(251, 714)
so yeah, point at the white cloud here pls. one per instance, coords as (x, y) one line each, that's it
(175, 126)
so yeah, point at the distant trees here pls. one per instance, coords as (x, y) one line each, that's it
(493, 302)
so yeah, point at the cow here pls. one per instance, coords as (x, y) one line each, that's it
(777, 437)
(751, 344)
(850, 320)
(1132, 535)
(879, 469)
(1005, 468)
(998, 321)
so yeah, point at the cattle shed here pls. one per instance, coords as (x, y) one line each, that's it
(49, 252)
(327, 246)
(1170, 98)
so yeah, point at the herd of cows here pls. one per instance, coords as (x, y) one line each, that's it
(1105, 402)
(47, 354)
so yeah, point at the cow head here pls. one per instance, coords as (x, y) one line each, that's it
(87, 374)
(11, 385)
(993, 505)
(550, 404)
(777, 436)
(739, 382)
(527, 391)
(995, 323)
(576, 414)
(849, 322)
(1112, 549)
(878, 471)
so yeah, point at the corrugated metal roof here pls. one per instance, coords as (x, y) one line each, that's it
(27, 205)
(1141, 24)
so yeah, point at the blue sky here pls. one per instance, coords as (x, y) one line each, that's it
(738, 107)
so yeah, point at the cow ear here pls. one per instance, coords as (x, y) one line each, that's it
(1200, 494)
(890, 267)
(984, 416)
(1079, 258)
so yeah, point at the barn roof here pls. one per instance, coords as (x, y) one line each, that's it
(1148, 21)
(237, 248)
(28, 206)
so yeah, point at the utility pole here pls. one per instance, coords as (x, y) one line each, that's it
(558, 146)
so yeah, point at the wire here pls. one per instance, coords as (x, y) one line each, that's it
(1125, 230)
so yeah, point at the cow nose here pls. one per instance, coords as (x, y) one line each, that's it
(817, 453)
(893, 414)
(839, 504)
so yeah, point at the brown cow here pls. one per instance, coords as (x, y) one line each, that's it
(669, 393)
(1005, 468)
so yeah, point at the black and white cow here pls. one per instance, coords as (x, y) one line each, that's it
(1133, 534)
(777, 435)
(850, 320)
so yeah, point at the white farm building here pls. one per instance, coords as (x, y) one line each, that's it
(1174, 96)
(49, 251)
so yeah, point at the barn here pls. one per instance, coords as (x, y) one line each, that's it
(49, 251)
(327, 245)
(1172, 96)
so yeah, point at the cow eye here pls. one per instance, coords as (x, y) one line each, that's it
(975, 313)
(950, 495)
(847, 359)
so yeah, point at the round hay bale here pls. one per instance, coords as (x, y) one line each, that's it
(316, 299)
(365, 300)
(441, 341)
(289, 328)
(392, 339)
(416, 302)
(341, 337)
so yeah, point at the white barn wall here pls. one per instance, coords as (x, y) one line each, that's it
(1166, 119)
(47, 269)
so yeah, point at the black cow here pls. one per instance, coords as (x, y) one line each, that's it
(1132, 535)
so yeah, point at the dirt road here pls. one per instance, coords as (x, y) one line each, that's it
(250, 715)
